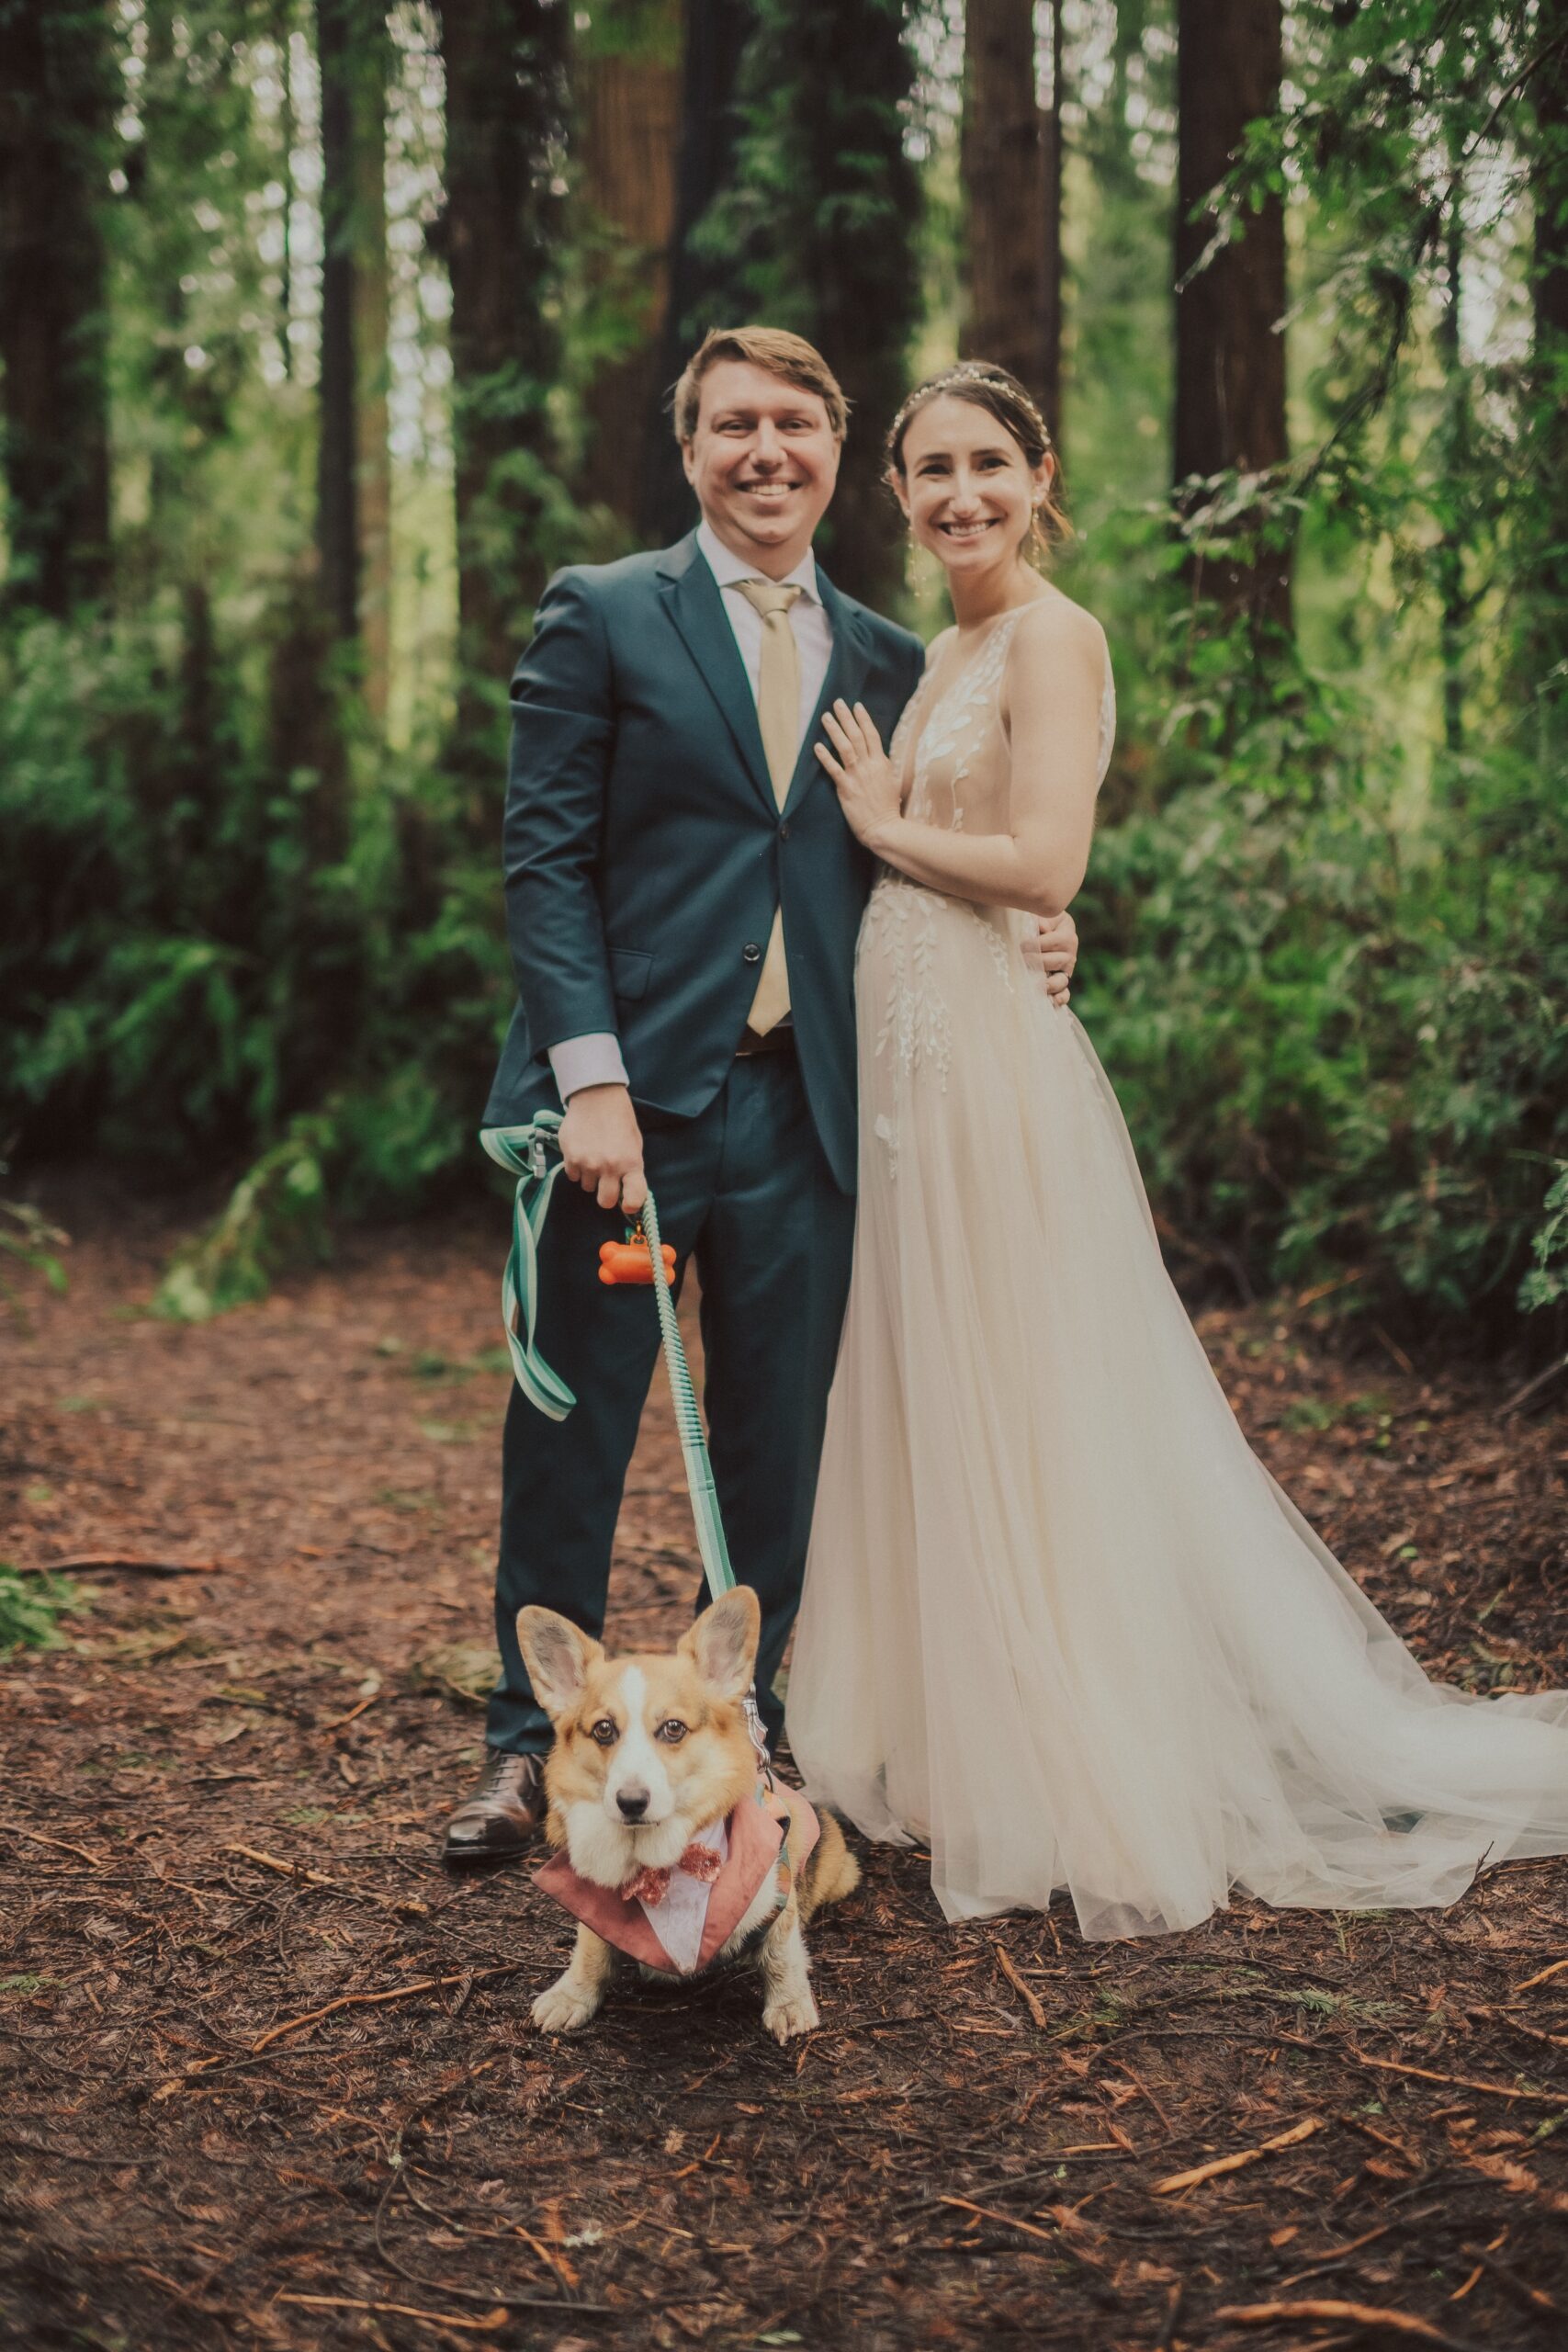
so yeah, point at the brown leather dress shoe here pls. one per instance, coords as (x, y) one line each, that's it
(503, 1814)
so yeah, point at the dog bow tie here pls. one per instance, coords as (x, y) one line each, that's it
(651, 1886)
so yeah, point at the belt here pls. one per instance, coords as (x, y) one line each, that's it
(779, 1040)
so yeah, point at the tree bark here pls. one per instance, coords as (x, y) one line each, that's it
(1007, 185)
(630, 118)
(1230, 349)
(372, 309)
(506, 114)
(1547, 620)
(56, 99)
(1051, 355)
(337, 502)
(715, 38)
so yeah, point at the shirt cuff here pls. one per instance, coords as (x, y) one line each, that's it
(593, 1060)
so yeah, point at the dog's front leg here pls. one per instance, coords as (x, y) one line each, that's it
(578, 1997)
(787, 2006)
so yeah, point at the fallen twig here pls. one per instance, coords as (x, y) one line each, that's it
(1218, 2164)
(1542, 1976)
(987, 2213)
(134, 1563)
(1533, 2299)
(1461, 2082)
(336, 1723)
(14, 1829)
(1521, 1396)
(404, 1905)
(377, 2001)
(492, 2325)
(1361, 2315)
(1026, 1993)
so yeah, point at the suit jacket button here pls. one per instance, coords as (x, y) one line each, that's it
(783, 832)
(750, 953)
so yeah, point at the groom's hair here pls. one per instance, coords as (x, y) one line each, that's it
(773, 349)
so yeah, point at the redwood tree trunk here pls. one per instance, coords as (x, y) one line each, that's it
(630, 116)
(1549, 589)
(1230, 352)
(57, 88)
(1050, 351)
(506, 113)
(1006, 185)
(337, 504)
(714, 37)
(372, 305)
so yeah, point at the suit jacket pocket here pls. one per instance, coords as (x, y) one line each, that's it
(629, 969)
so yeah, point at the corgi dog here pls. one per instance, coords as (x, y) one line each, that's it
(670, 1848)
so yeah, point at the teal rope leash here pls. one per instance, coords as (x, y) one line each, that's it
(526, 1152)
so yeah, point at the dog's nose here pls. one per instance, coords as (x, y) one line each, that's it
(632, 1803)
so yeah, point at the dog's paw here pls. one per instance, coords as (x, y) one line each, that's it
(791, 2014)
(564, 2008)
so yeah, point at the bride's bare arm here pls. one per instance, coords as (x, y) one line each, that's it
(1053, 688)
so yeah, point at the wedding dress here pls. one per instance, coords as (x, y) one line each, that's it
(1059, 1622)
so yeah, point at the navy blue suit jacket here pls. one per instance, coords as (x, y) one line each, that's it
(645, 854)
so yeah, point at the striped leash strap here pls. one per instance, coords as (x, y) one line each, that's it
(526, 1151)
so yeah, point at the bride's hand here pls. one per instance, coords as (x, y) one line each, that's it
(868, 786)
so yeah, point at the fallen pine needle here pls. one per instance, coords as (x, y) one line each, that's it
(1461, 2082)
(1052, 2237)
(1026, 1994)
(1298, 2131)
(492, 2322)
(1555, 1970)
(1361, 2314)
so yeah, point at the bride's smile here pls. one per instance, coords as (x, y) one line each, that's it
(970, 497)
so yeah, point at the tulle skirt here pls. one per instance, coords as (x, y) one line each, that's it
(1059, 1622)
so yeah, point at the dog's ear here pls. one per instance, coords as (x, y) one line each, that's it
(722, 1644)
(558, 1658)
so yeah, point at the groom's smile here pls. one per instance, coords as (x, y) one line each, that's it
(763, 461)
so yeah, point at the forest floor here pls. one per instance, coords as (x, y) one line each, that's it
(270, 2078)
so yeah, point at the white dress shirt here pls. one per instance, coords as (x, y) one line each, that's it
(596, 1059)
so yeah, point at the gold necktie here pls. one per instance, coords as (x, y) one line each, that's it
(778, 716)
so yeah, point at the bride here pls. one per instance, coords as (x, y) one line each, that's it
(1059, 1622)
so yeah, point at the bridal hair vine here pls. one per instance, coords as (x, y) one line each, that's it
(996, 390)
(983, 374)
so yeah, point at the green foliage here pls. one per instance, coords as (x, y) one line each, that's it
(28, 1238)
(30, 1608)
(193, 988)
(1546, 1283)
(1332, 1008)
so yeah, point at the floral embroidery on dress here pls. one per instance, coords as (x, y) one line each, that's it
(905, 921)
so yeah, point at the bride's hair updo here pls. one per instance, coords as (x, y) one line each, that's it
(999, 393)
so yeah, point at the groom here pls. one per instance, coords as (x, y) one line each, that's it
(683, 899)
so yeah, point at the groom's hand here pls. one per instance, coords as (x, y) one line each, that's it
(1052, 953)
(601, 1144)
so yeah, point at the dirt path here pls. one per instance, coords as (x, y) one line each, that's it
(219, 1810)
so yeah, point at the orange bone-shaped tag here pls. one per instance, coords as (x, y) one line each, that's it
(631, 1261)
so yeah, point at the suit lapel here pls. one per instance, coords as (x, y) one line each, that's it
(691, 596)
(846, 676)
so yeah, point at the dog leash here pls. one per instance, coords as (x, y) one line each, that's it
(526, 1151)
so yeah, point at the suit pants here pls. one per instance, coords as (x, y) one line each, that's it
(746, 1190)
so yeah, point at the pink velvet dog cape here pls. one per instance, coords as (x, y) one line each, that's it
(700, 1908)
